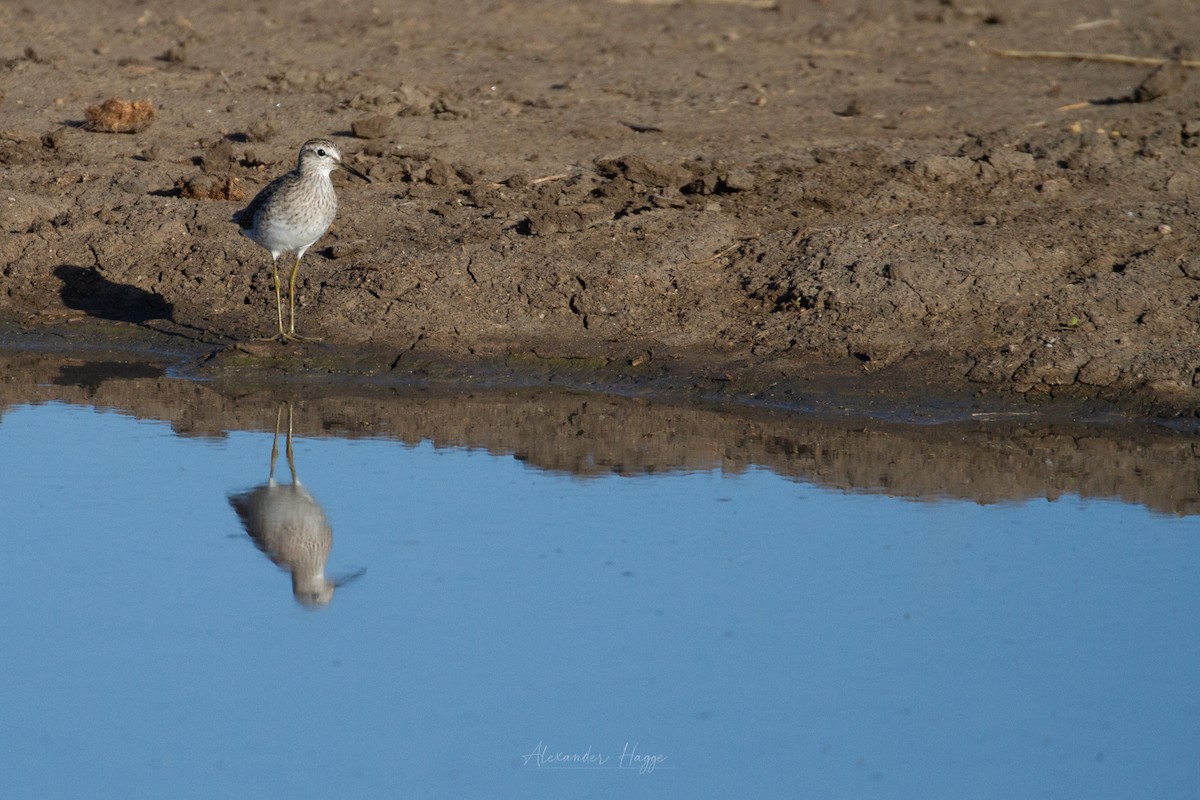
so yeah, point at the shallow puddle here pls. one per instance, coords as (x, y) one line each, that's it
(539, 594)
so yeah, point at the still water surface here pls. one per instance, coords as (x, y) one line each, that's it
(542, 633)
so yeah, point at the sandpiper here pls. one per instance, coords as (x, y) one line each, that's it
(291, 213)
(287, 524)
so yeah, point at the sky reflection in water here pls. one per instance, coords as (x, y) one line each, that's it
(742, 635)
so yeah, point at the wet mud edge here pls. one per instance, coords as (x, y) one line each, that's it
(918, 390)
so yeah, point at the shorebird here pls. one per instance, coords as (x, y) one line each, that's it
(287, 524)
(291, 213)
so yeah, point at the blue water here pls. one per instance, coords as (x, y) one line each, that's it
(526, 634)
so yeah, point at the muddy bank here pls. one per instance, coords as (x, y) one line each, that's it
(740, 191)
(986, 459)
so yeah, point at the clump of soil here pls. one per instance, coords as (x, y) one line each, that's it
(119, 116)
(206, 187)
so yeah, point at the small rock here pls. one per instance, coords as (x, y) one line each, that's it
(567, 220)
(414, 102)
(439, 173)
(218, 157)
(1007, 161)
(1053, 186)
(641, 171)
(261, 132)
(667, 200)
(176, 54)
(1167, 78)
(206, 187)
(1190, 268)
(854, 108)
(373, 127)
(133, 183)
(55, 139)
(1190, 133)
(1183, 184)
(739, 179)
(946, 169)
(344, 249)
(704, 185)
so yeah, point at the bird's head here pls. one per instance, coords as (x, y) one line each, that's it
(323, 155)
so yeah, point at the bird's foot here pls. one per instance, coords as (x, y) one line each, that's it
(299, 338)
(280, 337)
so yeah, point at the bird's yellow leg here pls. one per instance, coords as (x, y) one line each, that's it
(278, 297)
(292, 305)
(291, 457)
(275, 441)
(281, 336)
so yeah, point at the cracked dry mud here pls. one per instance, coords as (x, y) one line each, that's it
(748, 193)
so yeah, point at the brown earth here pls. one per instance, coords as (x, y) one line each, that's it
(982, 457)
(745, 193)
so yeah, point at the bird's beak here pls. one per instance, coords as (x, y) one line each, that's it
(353, 171)
(351, 578)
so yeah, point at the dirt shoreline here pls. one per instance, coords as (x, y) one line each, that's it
(729, 199)
(320, 371)
(1005, 456)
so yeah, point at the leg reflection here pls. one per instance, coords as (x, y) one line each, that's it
(287, 524)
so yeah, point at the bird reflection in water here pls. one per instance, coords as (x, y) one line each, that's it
(289, 526)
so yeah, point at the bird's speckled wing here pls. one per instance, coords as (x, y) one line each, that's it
(245, 217)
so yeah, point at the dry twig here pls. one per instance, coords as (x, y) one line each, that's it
(1103, 58)
(547, 178)
(770, 5)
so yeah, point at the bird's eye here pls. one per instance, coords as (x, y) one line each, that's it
(320, 151)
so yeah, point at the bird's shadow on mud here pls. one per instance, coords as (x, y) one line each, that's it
(85, 289)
